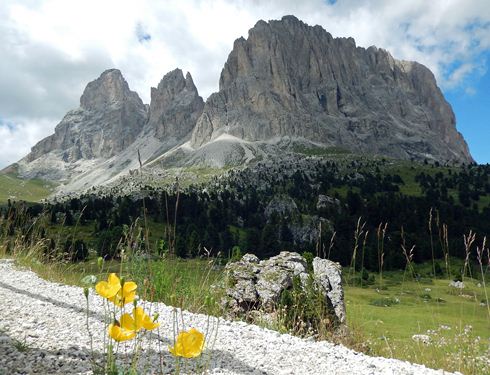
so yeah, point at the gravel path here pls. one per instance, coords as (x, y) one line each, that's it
(43, 331)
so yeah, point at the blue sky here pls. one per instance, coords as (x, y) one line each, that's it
(471, 105)
(51, 49)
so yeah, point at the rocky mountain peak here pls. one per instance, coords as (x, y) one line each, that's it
(109, 118)
(175, 106)
(289, 79)
(109, 89)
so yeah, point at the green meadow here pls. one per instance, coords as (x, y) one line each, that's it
(14, 188)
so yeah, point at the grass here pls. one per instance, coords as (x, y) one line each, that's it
(178, 282)
(446, 317)
(21, 346)
(14, 188)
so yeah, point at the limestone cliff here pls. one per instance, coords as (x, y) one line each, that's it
(109, 119)
(175, 106)
(288, 79)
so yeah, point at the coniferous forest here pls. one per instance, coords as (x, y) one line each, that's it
(326, 209)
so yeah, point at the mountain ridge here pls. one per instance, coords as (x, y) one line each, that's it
(287, 80)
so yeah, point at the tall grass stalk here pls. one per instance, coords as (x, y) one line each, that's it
(480, 254)
(319, 240)
(432, 243)
(380, 234)
(144, 207)
(362, 255)
(357, 236)
(330, 246)
(408, 254)
(468, 242)
(444, 242)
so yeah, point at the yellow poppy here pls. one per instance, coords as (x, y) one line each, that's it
(138, 320)
(125, 295)
(108, 289)
(119, 333)
(189, 344)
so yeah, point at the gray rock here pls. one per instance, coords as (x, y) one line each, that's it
(108, 120)
(328, 276)
(291, 79)
(259, 286)
(242, 276)
(175, 106)
(324, 201)
(250, 258)
(308, 229)
(277, 275)
(284, 206)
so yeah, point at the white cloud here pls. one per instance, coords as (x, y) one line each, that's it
(50, 49)
(18, 136)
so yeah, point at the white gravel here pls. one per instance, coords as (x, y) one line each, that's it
(50, 319)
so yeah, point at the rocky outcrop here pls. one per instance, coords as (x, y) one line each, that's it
(282, 206)
(328, 276)
(325, 202)
(291, 79)
(255, 285)
(175, 106)
(109, 119)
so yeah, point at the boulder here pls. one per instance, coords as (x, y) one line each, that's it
(242, 293)
(328, 276)
(257, 286)
(277, 275)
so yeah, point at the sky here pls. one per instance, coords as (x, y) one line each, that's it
(50, 50)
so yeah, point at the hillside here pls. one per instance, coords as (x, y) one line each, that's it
(17, 189)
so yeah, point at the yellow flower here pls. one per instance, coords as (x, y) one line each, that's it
(189, 344)
(126, 294)
(138, 321)
(119, 333)
(118, 294)
(109, 288)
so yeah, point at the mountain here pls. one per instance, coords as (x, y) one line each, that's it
(290, 79)
(287, 85)
(175, 106)
(108, 120)
(102, 138)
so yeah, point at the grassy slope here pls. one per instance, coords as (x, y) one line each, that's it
(14, 188)
(388, 330)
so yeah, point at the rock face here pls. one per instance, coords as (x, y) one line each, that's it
(291, 79)
(328, 276)
(258, 285)
(282, 206)
(109, 119)
(175, 106)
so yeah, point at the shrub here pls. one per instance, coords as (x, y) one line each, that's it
(303, 309)
(385, 302)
